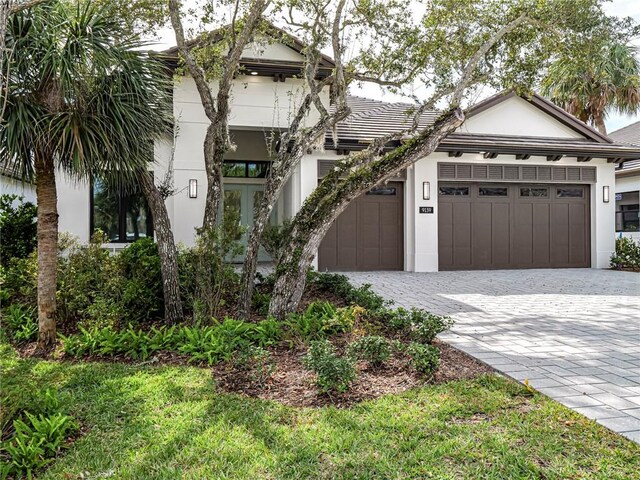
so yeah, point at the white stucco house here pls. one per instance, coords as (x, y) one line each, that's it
(522, 184)
(628, 185)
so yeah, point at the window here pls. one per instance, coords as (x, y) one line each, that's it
(382, 191)
(627, 212)
(456, 191)
(534, 192)
(493, 191)
(570, 192)
(242, 169)
(122, 214)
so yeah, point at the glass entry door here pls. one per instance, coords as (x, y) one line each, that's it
(245, 199)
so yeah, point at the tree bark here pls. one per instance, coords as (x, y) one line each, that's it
(333, 196)
(213, 160)
(270, 197)
(166, 250)
(598, 121)
(47, 249)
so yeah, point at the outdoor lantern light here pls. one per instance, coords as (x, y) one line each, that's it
(193, 188)
(426, 190)
(605, 194)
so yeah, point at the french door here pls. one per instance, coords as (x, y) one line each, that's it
(245, 198)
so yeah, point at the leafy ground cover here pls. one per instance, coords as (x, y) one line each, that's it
(165, 422)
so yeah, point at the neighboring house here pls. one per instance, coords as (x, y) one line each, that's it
(628, 185)
(520, 185)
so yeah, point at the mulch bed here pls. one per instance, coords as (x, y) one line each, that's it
(292, 385)
(626, 269)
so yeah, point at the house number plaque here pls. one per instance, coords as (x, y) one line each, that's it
(425, 209)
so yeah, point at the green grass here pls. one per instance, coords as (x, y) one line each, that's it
(146, 422)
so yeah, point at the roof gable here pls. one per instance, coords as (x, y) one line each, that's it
(285, 49)
(508, 113)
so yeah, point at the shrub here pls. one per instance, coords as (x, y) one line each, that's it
(374, 349)
(20, 322)
(424, 358)
(275, 237)
(627, 254)
(255, 363)
(333, 372)
(260, 302)
(425, 325)
(18, 227)
(142, 295)
(339, 285)
(19, 281)
(208, 280)
(320, 320)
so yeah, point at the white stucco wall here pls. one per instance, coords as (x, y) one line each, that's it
(11, 186)
(515, 116)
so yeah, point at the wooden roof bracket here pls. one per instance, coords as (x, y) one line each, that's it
(553, 158)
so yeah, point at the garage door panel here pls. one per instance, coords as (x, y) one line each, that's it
(523, 233)
(577, 238)
(500, 235)
(461, 234)
(533, 226)
(541, 234)
(481, 228)
(445, 235)
(560, 234)
(368, 234)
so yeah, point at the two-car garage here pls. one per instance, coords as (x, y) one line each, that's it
(488, 217)
(504, 226)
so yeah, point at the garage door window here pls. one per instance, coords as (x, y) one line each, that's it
(570, 192)
(454, 191)
(534, 192)
(382, 191)
(493, 191)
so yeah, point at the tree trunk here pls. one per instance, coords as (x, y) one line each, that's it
(166, 249)
(213, 159)
(598, 121)
(332, 197)
(47, 200)
(269, 198)
(291, 279)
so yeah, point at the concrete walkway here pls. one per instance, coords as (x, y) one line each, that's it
(574, 334)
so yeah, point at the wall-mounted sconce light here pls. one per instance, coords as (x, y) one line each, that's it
(193, 188)
(605, 194)
(426, 190)
(254, 73)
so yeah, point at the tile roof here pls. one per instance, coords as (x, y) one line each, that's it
(629, 134)
(371, 119)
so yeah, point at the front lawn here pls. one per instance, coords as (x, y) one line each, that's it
(156, 422)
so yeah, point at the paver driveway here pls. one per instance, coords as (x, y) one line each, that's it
(574, 334)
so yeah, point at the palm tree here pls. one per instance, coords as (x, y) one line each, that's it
(606, 78)
(83, 99)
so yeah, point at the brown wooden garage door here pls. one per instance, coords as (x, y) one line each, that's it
(492, 226)
(368, 235)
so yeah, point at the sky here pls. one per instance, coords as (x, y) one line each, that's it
(620, 8)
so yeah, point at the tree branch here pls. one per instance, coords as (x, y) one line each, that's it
(196, 72)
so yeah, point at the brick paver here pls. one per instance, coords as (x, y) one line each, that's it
(574, 334)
